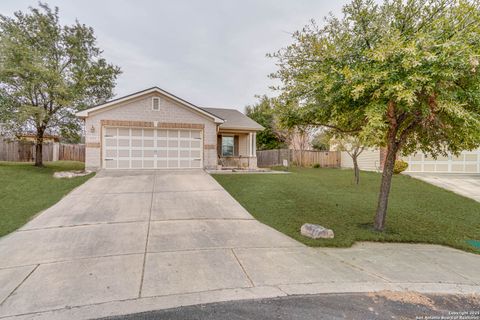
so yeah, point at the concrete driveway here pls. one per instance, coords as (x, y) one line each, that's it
(128, 242)
(467, 185)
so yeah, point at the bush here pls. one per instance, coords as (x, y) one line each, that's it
(316, 165)
(400, 166)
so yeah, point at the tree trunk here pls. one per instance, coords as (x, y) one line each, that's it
(385, 186)
(356, 170)
(39, 148)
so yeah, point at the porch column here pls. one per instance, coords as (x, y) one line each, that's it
(250, 139)
(254, 144)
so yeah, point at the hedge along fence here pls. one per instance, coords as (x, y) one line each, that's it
(24, 151)
(304, 158)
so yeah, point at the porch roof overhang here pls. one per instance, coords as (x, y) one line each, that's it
(234, 120)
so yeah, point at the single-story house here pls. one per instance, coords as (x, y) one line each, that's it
(371, 160)
(154, 129)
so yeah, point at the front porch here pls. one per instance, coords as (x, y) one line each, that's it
(236, 149)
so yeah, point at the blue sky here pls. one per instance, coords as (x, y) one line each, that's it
(210, 52)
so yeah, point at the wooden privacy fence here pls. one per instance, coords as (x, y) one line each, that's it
(327, 159)
(24, 151)
(75, 152)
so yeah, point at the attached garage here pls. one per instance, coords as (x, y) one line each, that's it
(152, 148)
(466, 162)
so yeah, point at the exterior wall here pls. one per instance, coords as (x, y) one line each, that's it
(141, 110)
(243, 145)
(368, 160)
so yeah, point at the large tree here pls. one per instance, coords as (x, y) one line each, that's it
(403, 75)
(48, 72)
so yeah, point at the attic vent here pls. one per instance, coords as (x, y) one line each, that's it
(155, 103)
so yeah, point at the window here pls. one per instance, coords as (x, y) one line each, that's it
(228, 146)
(155, 103)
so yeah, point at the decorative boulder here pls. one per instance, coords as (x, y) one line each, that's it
(316, 231)
(70, 174)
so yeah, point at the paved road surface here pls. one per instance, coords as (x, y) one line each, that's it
(328, 307)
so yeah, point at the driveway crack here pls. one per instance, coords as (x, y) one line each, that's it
(243, 268)
(22, 282)
(148, 236)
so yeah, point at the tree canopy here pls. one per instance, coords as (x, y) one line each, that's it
(403, 75)
(48, 72)
(263, 113)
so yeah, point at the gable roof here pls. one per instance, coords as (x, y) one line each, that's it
(85, 113)
(234, 119)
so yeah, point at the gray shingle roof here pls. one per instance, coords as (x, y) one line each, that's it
(234, 119)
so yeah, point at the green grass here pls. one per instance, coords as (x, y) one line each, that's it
(418, 212)
(26, 190)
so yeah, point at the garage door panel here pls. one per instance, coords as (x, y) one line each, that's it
(111, 132)
(137, 164)
(148, 153)
(111, 142)
(137, 132)
(138, 148)
(173, 143)
(162, 164)
(124, 153)
(148, 164)
(196, 134)
(111, 164)
(184, 163)
(162, 143)
(184, 134)
(196, 163)
(195, 144)
(172, 153)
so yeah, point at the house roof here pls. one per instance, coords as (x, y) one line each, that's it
(234, 119)
(85, 113)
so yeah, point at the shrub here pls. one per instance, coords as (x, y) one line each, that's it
(316, 165)
(400, 166)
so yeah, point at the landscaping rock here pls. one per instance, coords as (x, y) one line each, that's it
(316, 231)
(70, 174)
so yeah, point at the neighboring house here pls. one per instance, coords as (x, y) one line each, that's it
(466, 162)
(368, 160)
(153, 129)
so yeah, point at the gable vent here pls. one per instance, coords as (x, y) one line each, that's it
(155, 103)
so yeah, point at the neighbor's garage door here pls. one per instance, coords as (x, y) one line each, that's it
(466, 162)
(137, 148)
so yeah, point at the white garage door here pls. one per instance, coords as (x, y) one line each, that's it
(145, 148)
(466, 162)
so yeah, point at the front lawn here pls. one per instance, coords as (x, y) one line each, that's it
(418, 211)
(26, 190)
